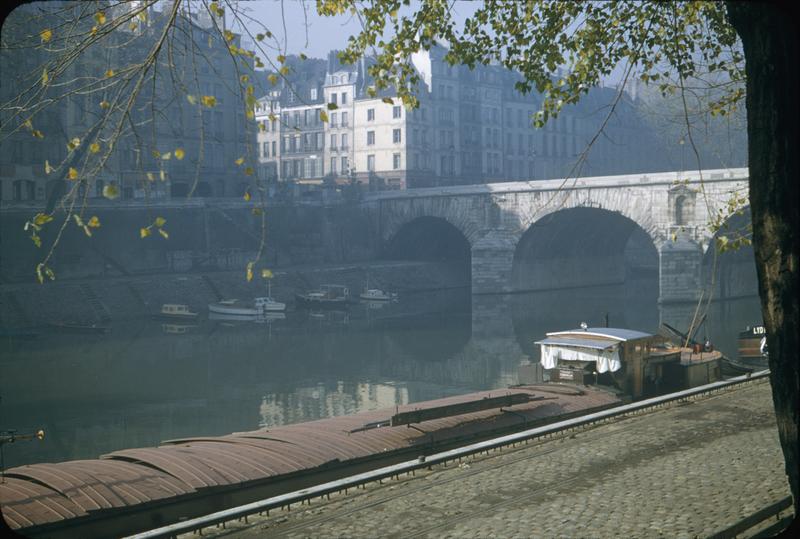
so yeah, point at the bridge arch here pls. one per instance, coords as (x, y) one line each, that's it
(432, 239)
(731, 273)
(582, 246)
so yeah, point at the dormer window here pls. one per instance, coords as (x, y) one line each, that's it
(313, 94)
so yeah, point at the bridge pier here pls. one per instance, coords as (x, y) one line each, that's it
(492, 261)
(679, 271)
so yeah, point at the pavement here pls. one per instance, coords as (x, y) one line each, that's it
(688, 470)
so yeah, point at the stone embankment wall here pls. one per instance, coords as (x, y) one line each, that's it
(203, 236)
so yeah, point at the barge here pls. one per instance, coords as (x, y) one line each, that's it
(135, 490)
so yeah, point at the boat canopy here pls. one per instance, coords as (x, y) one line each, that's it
(597, 345)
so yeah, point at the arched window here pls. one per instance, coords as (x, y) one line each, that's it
(679, 204)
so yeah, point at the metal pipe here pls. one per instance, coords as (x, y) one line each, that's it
(429, 460)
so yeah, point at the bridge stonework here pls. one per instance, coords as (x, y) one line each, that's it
(674, 210)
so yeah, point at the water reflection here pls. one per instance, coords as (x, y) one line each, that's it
(143, 383)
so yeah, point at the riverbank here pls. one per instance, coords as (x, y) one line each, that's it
(110, 299)
(688, 470)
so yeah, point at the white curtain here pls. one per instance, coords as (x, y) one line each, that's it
(605, 360)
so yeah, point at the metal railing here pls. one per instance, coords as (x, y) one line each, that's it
(325, 489)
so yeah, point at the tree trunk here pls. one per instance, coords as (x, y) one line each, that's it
(770, 47)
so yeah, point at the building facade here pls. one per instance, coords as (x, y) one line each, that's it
(471, 126)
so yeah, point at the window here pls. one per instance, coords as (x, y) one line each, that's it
(266, 149)
(370, 162)
(344, 119)
(313, 94)
(344, 165)
(344, 141)
(334, 119)
(370, 138)
(344, 98)
(273, 148)
(274, 122)
(370, 115)
(396, 111)
(333, 165)
(333, 98)
(396, 137)
(296, 119)
(396, 161)
(333, 141)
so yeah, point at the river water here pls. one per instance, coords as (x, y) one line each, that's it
(146, 382)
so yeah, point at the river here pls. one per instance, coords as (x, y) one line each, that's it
(143, 383)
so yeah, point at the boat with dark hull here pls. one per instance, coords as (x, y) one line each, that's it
(752, 346)
(327, 296)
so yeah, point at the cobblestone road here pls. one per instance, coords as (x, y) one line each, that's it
(685, 471)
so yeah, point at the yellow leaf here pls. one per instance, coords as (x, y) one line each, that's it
(239, 161)
(78, 220)
(111, 191)
(388, 100)
(281, 58)
(250, 114)
(323, 116)
(272, 78)
(38, 134)
(104, 104)
(284, 70)
(42, 218)
(167, 156)
(191, 99)
(45, 76)
(244, 79)
(37, 241)
(46, 35)
(94, 147)
(27, 123)
(47, 168)
(132, 26)
(94, 30)
(52, 276)
(94, 222)
(100, 17)
(162, 176)
(179, 153)
(87, 231)
(39, 275)
(248, 171)
(144, 232)
(257, 211)
(163, 233)
(151, 177)
(266, 274)
(159, 222)
(156, 154)
(259, 63)
(228, 35)
(74, 143)
(73, 174)
(209, 100)
(259, 37)
(109, 73)
(249, 271)
(247, 195)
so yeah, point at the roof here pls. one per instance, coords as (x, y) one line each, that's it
(41, 494)
(597, 344)
(619, 334)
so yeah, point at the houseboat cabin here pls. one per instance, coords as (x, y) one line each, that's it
(635, 362)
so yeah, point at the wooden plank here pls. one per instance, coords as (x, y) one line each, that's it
(426, 414)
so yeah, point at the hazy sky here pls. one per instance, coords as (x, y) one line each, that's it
(310, 33)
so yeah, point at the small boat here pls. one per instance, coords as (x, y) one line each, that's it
(750, 342)
(233, 307)
(70, 327)
(176, 311)
(177, 329)
(376, 294)
(327, 296)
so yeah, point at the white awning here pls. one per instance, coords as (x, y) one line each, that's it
(605, 360)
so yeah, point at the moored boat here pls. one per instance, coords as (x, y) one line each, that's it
(376, 294)
(71, 327)
(749, 344)
(327, 296)
(176, 311)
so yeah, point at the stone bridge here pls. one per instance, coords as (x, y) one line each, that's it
(520, 236)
